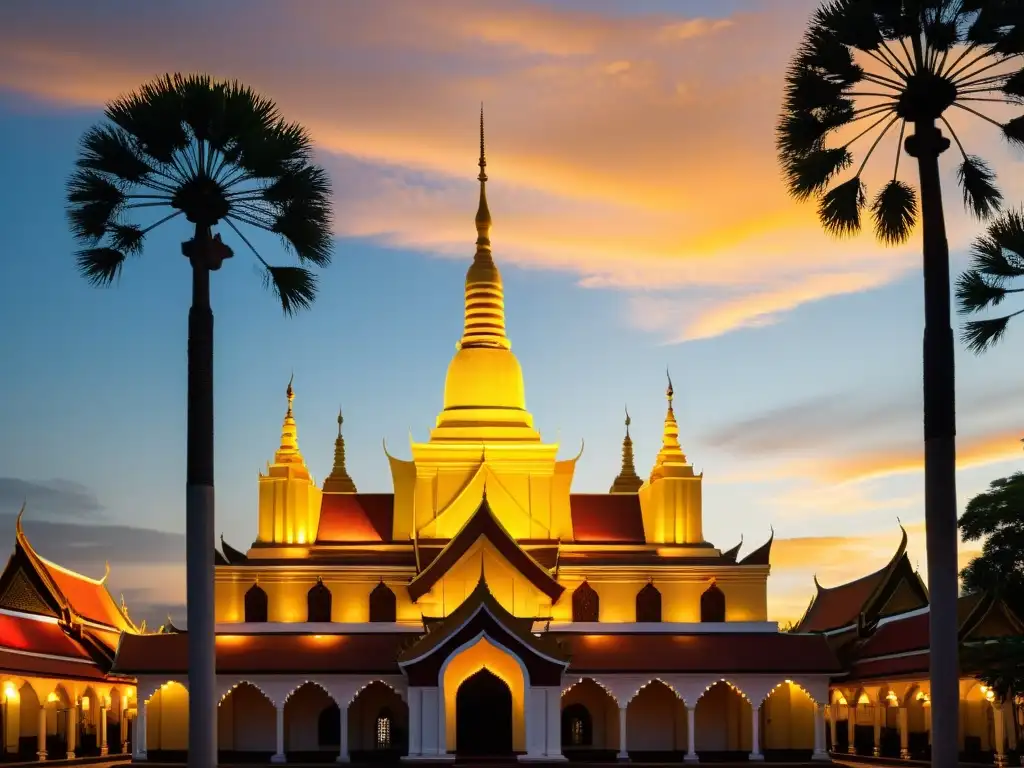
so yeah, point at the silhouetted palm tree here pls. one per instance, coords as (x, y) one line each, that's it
(997, 258)
(865, 68)
(215, 153)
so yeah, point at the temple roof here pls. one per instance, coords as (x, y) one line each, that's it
(484, 523)
(841, 606)
(604, 518)
(355, 517)
(762, 555)
(252, 654)
(726, 652)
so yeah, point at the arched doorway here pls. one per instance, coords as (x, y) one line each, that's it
(483, 715)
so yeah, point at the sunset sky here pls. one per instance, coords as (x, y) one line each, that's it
(640, 222)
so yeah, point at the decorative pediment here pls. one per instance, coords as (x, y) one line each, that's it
(20, 594)
(484, 524)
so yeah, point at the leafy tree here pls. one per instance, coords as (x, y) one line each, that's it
(871, 68)
(216, 153)
(997, 259)
(997, 517)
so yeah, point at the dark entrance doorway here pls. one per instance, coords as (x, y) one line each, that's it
(483, 716)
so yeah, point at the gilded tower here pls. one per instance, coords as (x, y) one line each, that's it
(289, 500)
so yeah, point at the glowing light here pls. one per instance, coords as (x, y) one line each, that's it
(128, 694)
(892, 698)
(86, 704)
(923, 697)
(51, 697)
(10, 692)
(841, 701)
(863, 699)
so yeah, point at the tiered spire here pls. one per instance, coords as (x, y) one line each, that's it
(289, 453)
(671, 452)
(339, 481)
(627, 481)
(485, 294)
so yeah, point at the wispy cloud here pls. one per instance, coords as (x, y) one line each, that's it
(635, 151)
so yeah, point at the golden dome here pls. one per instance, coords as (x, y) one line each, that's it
(484, 377)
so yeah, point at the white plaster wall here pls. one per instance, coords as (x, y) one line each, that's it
(302, 719)
(722, 720)
(656, 720)
(167, 719)
(247, 721)
(787, 719)
(364, 711)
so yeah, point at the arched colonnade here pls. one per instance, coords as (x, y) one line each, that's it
(285, 719)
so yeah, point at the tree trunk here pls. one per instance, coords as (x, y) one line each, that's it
(199, 513)
(940, 504)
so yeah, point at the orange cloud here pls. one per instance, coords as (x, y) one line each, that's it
(634, 151)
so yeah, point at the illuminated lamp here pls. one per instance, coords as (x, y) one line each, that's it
(10, 692)
(892, 698)
(51, 697)
(86, 703)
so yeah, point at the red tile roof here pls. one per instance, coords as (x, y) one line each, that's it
(606, 518)
(26, 665)
(21, 633)
(728, 653)
(914, 665)
(88, 598)
(270, 653)
(355, 517)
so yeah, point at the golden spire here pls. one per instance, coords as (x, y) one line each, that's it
(485, 294)
(339, 481)
(628, 481)
(288, 453)
(671, 452)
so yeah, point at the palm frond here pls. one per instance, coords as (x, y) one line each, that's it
(822, 51)
(982, 335)
(1007, 233)
(93, 205)
(1011, 41)
(895, 212)
(294, 286)
(306, 227)
(308, 184)
(942, 34)
(153, 116)
(808, 89)
(977, 182)
(107, 149)
(271, 153)
(1013, 86)
(127, 238)
(802, 132)
(974, 292)
(1014, 130)
(808, 174)
(839, 209)
(851, 22)
(989, 258)
(100, 266)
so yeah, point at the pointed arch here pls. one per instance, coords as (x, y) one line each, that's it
(383, 604)
(586, 604)
(318, 602)
(648, 603)
(712, 604)
(257, 606)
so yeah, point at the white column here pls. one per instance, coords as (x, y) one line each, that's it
(139, 732)
(72, 730)
(877, 749)
(279, 757)
(103, 729)
(851, 724)
(819, 733)
(833, 731)
(415, 715)
(343, 748)
(623, 753)
(999, 736)
(41, 743)
(123, 723)
(904, 735)
(755, 736)
(553, 750)
(691, 735)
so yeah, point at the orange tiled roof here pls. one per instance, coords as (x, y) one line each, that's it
(355, 517)
(37, 635)
(88, 598)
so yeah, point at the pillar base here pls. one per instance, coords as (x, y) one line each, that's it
(876, 752)
(104, 751)
(543, 758)
(342, 759)
(1000, 761)
(449, 758)
(71, 756)
(41, 757)
(622, 757)
(691, 757)
(821, 756)
(755, 757)
(851, 750)
(278, 758)
(904, 754)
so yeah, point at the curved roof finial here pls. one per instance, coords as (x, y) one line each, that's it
(106, 572)
(18, 530)
(628, 421)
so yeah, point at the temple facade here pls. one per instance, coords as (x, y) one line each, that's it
(484, 607)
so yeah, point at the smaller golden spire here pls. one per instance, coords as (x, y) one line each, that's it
(671, 453)
(288, 452)
(339, 481)
(627, 481)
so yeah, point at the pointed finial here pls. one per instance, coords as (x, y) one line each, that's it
(339, 481)
(628, 421)
(290, 393)
(627, 481)
(483, 158)
(341, 420)
(670, 392)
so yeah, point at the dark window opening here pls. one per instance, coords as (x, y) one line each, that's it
(318, 603)
(586, 605)
(256, 605)
(383, 606)
(648, 604)
(712, 605)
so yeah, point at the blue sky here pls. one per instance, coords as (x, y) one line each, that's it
(796, 359)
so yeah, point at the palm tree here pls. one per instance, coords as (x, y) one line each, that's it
(997, 257)
(871, 68)
(215, 153)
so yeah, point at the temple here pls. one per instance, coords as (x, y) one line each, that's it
(483, 608)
